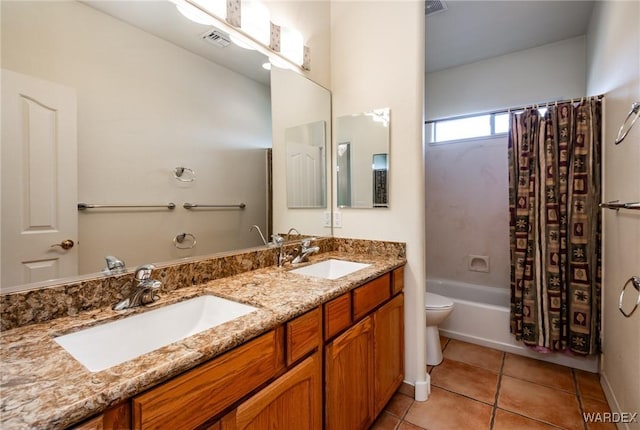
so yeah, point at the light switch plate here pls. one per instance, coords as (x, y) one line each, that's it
(326, 220)
(337, 219)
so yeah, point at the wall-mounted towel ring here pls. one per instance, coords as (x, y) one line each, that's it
(635, 281)
(184, 174)
(628, 122)
(184, 239)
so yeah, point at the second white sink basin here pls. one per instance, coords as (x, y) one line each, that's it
(330, 269)
(106, 345)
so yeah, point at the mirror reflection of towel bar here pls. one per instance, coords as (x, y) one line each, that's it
(197, 206)
(84, 206)
(180, 238)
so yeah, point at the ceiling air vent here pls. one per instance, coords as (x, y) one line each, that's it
(435, 6)
(217, 37)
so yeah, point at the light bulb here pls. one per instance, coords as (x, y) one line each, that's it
(256, 21)
(292, 45)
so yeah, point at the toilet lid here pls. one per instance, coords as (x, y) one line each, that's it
(436, 301)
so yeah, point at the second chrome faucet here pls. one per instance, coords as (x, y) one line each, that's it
(145, 290)
(299, 255)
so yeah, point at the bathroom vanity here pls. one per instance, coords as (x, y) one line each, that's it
(264, 367)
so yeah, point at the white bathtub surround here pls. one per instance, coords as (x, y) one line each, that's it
(481, 316)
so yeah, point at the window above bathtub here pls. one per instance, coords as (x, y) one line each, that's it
(467, 127)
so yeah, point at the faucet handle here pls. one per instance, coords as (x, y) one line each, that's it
(143, 272)
(307, 242)
(277, 239)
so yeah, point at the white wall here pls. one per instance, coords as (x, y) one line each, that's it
(370, 72)
(550, 72)
(147, 106)
(614, 70)
(468, 210)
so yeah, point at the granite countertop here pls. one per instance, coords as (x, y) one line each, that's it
(42, 386)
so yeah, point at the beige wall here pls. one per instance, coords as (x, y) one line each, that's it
(467, 182)
(468, 210)
(614, 70)
(370, 72)
(497, 83)
(312, 19)
(295, 101)
(147, 106)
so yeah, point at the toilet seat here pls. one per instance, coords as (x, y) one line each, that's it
(436, 301)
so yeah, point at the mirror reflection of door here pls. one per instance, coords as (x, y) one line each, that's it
(306, 165)
(344, 174)
(39, 180)
(380, 174)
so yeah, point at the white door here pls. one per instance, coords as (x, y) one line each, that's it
(305, 170)
(39, 180)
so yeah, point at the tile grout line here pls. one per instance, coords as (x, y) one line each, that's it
(579, 398)
(495, 400)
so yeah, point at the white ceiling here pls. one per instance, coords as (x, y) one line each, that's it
(470, 31)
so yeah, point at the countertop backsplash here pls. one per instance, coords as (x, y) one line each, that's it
(43, 304)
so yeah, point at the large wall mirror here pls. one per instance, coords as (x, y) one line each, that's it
(128, 103)
(362, 158)
(301, 119)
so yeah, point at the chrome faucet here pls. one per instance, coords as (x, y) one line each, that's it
(291, 230)
(145, 290)
(260, 233)
(304, 251)
(278, 241)
(114, 266)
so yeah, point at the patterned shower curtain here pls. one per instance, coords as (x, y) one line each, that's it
(554, 192)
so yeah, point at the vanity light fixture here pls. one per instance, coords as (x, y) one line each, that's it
(249, 26)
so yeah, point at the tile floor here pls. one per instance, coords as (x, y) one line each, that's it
(479, 388)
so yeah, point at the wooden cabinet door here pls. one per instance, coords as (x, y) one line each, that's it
(292, 402)
(189, 400)
(349, 379)
(388, 341)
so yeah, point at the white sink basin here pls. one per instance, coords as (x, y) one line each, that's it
(106, 345)
(330, 269)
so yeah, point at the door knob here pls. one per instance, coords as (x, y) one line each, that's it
(65, 244)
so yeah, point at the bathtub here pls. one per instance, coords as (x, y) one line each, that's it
(481, 316)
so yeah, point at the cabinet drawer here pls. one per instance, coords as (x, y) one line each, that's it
(199, 394)
(303, 335)
(337, 315)
(397, 281)
(370, 295)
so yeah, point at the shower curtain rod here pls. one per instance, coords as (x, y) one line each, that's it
(515, 109)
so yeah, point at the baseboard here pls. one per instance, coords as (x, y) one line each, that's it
(612, 400)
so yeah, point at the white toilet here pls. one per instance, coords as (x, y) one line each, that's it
(438, 309)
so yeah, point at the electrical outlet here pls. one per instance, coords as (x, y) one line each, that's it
(326, 220)
(337, 219)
